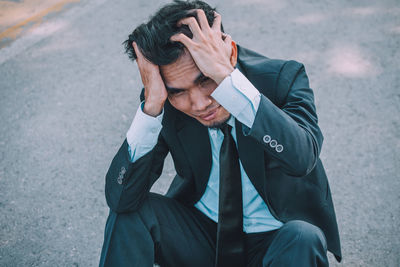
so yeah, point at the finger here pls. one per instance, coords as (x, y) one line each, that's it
(227, 39)
(217, 22)
(180, 37)
(193, 25)
(139, 54)
(201, 16)
(228, 43)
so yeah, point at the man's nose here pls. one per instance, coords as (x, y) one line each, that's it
(200, 101)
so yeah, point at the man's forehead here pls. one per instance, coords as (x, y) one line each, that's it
(182, 68)
(184, 59)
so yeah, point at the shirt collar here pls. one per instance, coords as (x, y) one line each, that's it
(231, 121)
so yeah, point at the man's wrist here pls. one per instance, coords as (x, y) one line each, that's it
(225, 73)
(152, 109)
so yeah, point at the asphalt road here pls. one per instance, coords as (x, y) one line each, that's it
(68, 94)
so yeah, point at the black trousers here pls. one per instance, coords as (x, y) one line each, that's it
(166, 232)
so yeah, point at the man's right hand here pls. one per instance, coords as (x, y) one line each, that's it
(155, 93)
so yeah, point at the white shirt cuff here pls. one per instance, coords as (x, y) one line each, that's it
(239, 96)
(143, 134)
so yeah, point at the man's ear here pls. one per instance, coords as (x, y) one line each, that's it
(234, 54)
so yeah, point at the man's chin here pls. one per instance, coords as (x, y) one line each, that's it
(217, 123)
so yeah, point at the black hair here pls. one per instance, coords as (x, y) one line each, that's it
(153, 37)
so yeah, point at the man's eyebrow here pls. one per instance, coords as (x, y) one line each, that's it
(200, 78)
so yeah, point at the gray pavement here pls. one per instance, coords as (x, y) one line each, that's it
(68, 95)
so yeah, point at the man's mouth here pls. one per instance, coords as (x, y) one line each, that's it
(210, 115)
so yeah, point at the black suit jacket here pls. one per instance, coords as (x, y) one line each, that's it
(292, 183)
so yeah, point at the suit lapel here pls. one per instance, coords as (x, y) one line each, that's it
(194, 139)
(252, 157)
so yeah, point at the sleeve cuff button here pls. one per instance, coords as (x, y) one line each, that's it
(266, 139)
(121, 175)
(279, 148)
(273, 143)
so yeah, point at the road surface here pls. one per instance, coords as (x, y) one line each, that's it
(68, 94)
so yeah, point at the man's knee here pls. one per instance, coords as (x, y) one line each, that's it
(128, 238)
(305, 233)
(297, 243)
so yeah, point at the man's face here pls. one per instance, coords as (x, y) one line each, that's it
(189, 91)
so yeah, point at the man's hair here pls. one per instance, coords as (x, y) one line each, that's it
(153, 37)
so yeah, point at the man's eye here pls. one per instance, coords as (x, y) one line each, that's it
(175, 92)
(205, 82)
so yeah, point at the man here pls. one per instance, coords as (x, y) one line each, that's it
(242, 130)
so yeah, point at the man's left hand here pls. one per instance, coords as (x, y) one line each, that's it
(209, 51)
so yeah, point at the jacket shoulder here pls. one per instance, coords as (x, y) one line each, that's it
(270, 76)
(254, 63)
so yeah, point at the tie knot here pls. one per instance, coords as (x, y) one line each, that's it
(226, 129)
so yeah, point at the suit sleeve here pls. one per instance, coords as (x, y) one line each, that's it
(290, 134)
(127, 183)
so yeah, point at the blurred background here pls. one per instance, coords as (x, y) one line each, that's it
(68, 94)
